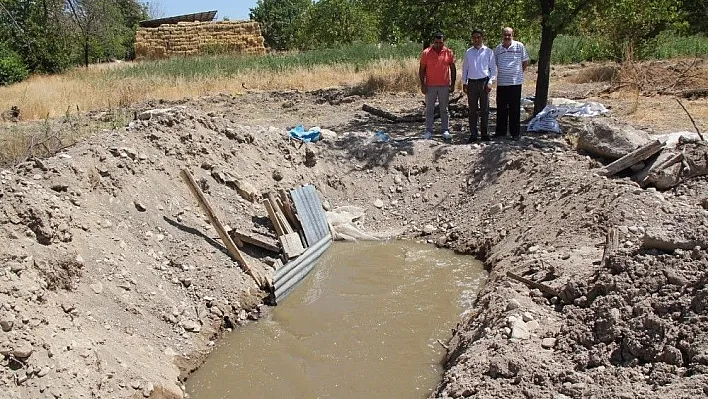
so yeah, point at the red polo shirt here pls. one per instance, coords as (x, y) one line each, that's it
(437, 66)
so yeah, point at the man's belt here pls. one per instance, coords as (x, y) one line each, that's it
(478, 80)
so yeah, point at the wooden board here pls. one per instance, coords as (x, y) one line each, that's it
(225, 238)
(256, 239)
(292, 245)
(633, 157)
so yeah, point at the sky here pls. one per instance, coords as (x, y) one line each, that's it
(233, 9)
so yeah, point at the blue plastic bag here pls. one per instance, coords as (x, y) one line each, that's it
(309, 136)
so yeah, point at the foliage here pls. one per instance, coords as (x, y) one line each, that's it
(279, 20)
(330, 23)
(12, 68)
(630, 24)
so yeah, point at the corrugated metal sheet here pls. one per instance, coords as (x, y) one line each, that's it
(289, 276)
(310, 212)
(205, 16)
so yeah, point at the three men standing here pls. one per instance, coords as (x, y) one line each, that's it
(479, 70)
(437, 75)
(512, 60)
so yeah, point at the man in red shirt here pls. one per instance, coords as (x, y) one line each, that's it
(437, 80)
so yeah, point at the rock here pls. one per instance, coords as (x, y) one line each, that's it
(428, 229)
(496, 209)
(7, 321)
(378, 203)
(609, 138)
(191, 325)
(527, 316)
(277, 175)
(512, 304)
(548, 343)
(97, 287)
(704, 203)
(397, 179)
(186, 281)
(147, 391)
(520, 331)
(533, 325)
(23, 350)
(135, 384)
(43, 371)
(139, 206)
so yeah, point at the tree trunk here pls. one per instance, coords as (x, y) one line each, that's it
(86, 52)
(544, 68)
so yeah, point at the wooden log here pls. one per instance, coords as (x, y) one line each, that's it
(633, 157)
(256, 240)
(542, 287)
(611, 246)
(225, 238)
(380, 113)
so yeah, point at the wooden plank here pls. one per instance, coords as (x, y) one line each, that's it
(543, 287)
(661, 163)
(273, 218)
(633, 157)
(287, 228)
(225, 238)
(257, 240)
(292, 245)
(288, 209)
(611, 245)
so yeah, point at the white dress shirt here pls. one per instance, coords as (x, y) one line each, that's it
(479, 63)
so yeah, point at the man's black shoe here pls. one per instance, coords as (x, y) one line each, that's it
(472, 139)
(515, 138)
(486, 138)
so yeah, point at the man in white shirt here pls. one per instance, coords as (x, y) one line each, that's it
(479, 70)
(512, 60)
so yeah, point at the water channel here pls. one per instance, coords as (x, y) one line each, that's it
(364, 324)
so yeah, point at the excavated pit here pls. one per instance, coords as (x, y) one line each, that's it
(105, 249)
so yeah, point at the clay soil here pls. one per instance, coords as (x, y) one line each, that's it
(113, 284)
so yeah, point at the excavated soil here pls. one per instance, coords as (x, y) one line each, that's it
(114, 284)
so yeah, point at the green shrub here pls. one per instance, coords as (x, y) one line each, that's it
(12, 68)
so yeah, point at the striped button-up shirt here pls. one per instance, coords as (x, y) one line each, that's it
(509, 60)
(478, 64)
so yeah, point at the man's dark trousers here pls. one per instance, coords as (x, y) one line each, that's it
(478, 102)
(508, 110)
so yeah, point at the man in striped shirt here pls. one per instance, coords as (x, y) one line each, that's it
(479, 70)
(437, 75)
(512, 60)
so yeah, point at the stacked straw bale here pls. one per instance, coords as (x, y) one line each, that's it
(194, 38)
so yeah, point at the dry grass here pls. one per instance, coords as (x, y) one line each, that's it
(43, 97)
(595, 74)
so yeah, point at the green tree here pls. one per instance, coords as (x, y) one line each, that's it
(36, 30)
(631, 24)
(279, 20)
(333, 22)
(556, 17)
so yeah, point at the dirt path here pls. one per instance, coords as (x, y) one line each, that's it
(113, 284)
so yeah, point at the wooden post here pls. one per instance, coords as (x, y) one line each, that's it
(611, 246)
(225, 238)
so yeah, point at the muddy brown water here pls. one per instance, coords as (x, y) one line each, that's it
(365, 323)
